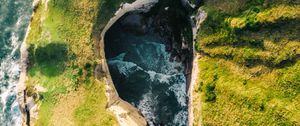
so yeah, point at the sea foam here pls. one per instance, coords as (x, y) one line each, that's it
(151, 58)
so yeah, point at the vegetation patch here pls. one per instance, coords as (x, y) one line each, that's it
(241, 98)
(249, 58)
(254, 17)
(92, 110)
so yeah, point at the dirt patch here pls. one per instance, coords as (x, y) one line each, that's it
(63, 112)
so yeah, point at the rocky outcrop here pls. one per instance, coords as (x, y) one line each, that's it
(196, 21)
(27, 103)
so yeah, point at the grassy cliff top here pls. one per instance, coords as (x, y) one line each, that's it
(62, 58)
(249, 65)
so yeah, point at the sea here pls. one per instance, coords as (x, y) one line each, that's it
(146, 75)
(14, 20)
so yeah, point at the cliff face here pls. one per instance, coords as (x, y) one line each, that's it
(248, 63)
(157, 51)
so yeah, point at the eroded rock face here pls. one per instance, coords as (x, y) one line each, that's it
(149, 57)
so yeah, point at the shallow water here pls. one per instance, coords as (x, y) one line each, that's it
(146, 77)
(14, 19)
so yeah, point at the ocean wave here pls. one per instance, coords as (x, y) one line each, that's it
(14, 19)
(147, 107)
(162, 76)
(180, 118)
(9, 75)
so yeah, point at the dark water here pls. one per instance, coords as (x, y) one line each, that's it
(145, 77)
(14, 19)
(144, 72)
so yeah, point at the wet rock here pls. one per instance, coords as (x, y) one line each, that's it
(134, 23)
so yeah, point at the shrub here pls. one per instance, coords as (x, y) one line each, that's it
(210, 95)
(51, 58)
(53, 52)
(31, 51)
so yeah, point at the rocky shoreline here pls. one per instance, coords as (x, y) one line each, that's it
(28, 107)
(196, 21)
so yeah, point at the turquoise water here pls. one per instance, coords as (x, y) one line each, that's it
(14, 19)
(145, 77)
(145, 74)
(149, 56)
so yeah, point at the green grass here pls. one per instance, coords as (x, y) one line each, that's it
(232, 95)
(249, 65)
(248, 43)
(255, 17)
(92, 110)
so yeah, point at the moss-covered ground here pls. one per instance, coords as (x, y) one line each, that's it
(249, 63)
(62, 58)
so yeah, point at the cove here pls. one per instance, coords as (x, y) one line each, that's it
(149, 57)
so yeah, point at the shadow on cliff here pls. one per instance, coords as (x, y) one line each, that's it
(106, 10)
(49, 60)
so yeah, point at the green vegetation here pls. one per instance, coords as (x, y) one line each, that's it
(62, 58)
(249, 65)
(92, 107)
(253, 17)
(248, 96)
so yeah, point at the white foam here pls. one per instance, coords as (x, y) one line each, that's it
(9, 66)
(147, 107)
(168, 67)
(9, 75)
(11, 69)
(162, 71)
(152, 75)
(180, 118)
(161, 78)
(125, 68)
(179, 90)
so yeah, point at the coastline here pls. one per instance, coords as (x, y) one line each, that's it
(200, 17)
(25, 106)
(195, 73)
